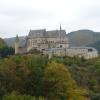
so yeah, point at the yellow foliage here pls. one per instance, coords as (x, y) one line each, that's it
(59, 83)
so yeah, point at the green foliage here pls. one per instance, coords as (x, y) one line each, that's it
(23, 74)
(2, 43)
(55, 79)
(15, 96)
(5, 51)
(59, 84)
(34, 51)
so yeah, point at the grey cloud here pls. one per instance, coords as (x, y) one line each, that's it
(26, 14)
(90, 12)
(19, 18)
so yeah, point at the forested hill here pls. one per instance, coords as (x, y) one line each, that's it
(26, 77)
(83, 37)
(11, 41)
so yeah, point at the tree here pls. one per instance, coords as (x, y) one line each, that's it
(16, 96)
(5, 51)
(58, 83)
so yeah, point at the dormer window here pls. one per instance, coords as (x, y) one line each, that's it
(60, 46)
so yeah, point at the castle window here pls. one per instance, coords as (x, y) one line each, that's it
(60, 46)
(90, 50)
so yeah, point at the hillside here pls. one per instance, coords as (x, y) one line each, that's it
(11, 41)
(83, 37)
(2, 43)
(27, 77)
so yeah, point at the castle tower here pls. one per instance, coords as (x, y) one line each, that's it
(60, 27)
(60, 36)
(27, 44)
(66, 39)
(17, 45)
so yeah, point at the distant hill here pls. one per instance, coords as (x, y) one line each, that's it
(83, 37)
(2, 43)
(11, 41)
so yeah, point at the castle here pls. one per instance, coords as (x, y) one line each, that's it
(53, 43)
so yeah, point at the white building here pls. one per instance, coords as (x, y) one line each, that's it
(85, 52)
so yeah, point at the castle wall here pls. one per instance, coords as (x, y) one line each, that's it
(16, 47)
(44, 43)
(72, 52)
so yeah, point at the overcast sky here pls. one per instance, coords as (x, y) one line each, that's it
(19, 16)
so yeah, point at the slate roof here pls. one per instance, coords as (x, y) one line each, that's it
(48, 34)
(56, 33)
(36, 33)
(82, 47)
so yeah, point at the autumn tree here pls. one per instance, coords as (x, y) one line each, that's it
(58, 84)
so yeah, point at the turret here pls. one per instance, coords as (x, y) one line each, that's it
(28, 46)
(17, 45)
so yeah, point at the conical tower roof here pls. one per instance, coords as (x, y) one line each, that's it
(17, 38)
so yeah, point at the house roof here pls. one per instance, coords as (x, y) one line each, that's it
(83, 47)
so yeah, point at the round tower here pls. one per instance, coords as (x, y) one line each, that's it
(17, 45)
(28, 46)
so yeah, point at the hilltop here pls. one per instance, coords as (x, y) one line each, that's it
(83, 37)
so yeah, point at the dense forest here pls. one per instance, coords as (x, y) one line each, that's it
(35, 77)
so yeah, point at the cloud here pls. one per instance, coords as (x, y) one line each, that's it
(19, 16)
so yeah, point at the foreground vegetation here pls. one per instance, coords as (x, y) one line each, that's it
(35, 77)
